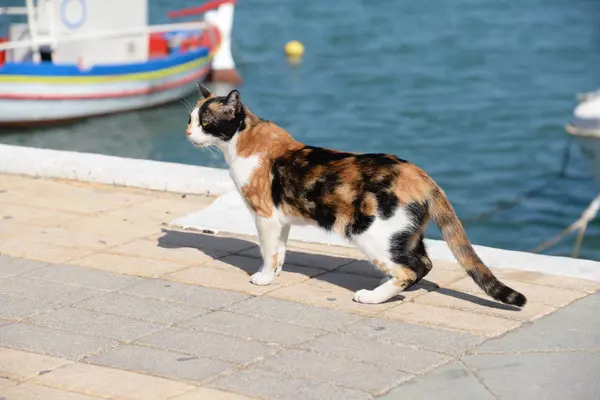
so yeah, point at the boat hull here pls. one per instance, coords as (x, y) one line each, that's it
(38, 99)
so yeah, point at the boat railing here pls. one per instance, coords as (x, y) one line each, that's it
(53, 40)
(13, 10)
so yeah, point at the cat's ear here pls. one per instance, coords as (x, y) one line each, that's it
(204, 92)
(234, 100)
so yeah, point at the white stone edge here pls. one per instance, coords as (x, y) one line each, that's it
(119, 171)
(181, 178)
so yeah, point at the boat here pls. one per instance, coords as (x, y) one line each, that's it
(584, 126)
(74, 59)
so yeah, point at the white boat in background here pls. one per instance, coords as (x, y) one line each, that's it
(79, 58)
(585, 127)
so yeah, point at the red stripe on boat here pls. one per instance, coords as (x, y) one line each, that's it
(109, 95)
(186, 12)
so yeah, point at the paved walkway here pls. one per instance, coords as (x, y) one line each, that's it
(99, 299)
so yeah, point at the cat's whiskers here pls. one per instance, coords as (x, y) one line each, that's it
(186, 103)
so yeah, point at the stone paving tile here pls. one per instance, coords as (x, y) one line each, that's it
(10, 266)
(163, 208)
(10, 228)
(562, 282)
(334, 290)
(206, 344)
(108, 382)
(25, 247)
(336, 370)
(221, 274)
(268, 385)
(83, 240)
(157, 311)
(79, 197)
(346, 252)
(363, 268)
(51, 292)
(128, 265)
(95, 324)
(34, 216)
(449, 382)
(28, 391)
(303, 259)
(185, 294)
(479, 324)
(160, 362)
(294, 313)
(51, 342)
(213, 245)
(576, 327)
(22, 365)
(206, 393)
(91, 278)
(408, 359)
(253, 328)
(551, 296)
(106, 225)
(4, 383)
(482, 304)
(17, 308)
(548, 376)
(151, 249)
(409, 335)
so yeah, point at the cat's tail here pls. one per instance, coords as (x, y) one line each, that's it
(454, 234)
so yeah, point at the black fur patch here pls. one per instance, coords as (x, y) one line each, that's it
(399, 247)
(216, 125)
(310, 179)
(417, 211)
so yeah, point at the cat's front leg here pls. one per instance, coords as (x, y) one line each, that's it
(269, 235)
(281, 247)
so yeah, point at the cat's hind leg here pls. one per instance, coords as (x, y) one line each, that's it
(401, 278)
(269, 235)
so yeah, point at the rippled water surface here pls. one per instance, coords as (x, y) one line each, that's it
(475, 92)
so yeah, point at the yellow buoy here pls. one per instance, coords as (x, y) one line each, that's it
(294, 48)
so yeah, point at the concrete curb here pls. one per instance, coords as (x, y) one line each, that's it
(88, 167)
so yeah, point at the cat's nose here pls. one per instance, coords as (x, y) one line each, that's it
(188, 132)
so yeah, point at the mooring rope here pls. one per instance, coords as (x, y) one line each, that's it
(580, 224)
(508, 204)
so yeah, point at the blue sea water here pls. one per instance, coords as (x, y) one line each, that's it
(475, 92)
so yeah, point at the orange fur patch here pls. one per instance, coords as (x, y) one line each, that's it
(270, 141)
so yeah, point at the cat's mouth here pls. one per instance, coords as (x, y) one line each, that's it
(197, 143)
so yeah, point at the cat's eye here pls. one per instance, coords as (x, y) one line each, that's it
(204, 123)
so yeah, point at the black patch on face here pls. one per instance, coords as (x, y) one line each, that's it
(217, 124)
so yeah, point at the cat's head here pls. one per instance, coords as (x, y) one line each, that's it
(215, 120)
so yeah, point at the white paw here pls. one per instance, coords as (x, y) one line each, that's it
(278, 270)
(366, 297)
(261, 279)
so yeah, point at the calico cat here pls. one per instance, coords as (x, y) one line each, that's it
(379, 202)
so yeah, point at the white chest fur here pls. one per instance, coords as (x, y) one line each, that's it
(240, 168)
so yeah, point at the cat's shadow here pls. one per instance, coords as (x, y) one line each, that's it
(218, 247)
